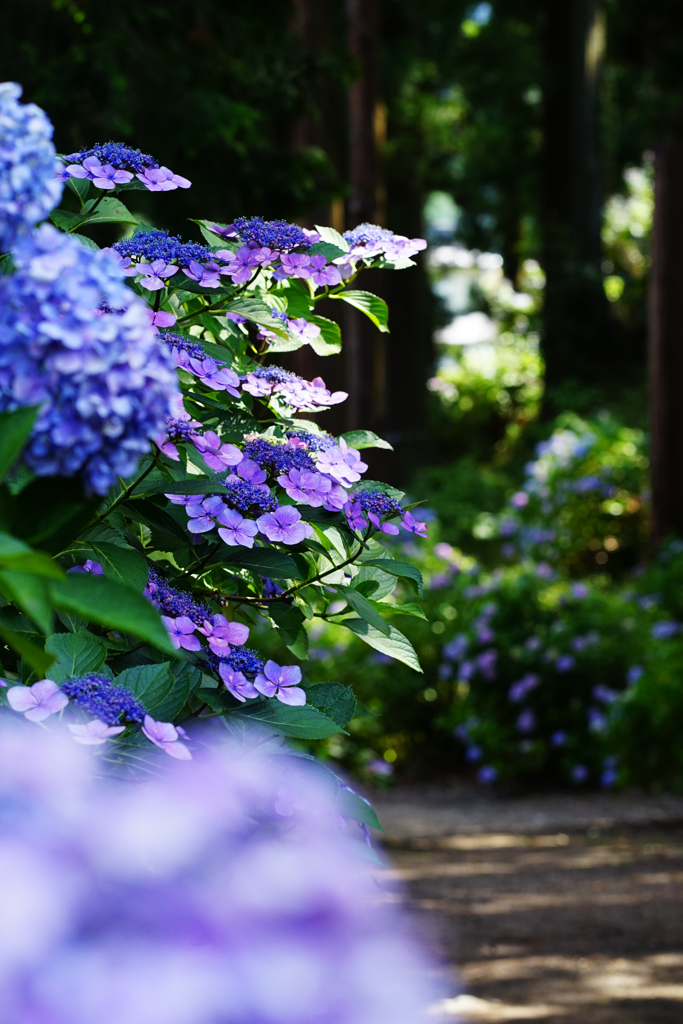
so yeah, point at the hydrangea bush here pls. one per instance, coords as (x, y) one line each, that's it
(165, 487)
(223, 891)
(584, 502)
(530, 676)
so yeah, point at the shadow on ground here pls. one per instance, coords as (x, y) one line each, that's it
(556, 908)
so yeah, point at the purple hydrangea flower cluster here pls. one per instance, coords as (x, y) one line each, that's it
(368, 241)
(28, 187)
(314, 442)
(313, 489)
(150, 245)
(276, 457)
(185, 617)
(172, 601)
(266, 234)
(376, 506)
(223, 890)
(189, 356)
(112, 163)
(283, 524)
(299, 328)
(244, 496)
(104, 382)
(104, 699)
(526, 684)
(271, 381)
(269, 245)
(243, 660)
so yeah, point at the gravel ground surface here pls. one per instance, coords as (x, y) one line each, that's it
(556, 908)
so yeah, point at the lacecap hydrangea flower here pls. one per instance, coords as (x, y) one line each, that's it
(112, 163)
(28, 187)
(104, 381)
(224, 891)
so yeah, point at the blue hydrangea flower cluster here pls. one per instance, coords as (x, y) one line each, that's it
(28, 187)
(104, 699)
(240, 659)
(370, 240)
(278, 458)
(172, 601)
(116, 154)
(271, 234)
(254, 499)
(314, 442)
(377, 502)
(104, 382)
(275, 375)
(180, 430)
(183, 344)
(151, 244)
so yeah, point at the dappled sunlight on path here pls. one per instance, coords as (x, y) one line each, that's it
(583, 926)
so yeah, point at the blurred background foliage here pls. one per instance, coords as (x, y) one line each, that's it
(527, 139)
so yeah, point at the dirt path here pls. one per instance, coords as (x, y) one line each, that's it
(556, 908)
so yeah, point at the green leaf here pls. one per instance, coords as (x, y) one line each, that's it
(291, 343)
(111, 211)
(362, 607)
(265, 561)
(65, 220)
(192, 485)
(153, 685)
(304, 723)
(409, 608)
(365, 439)
(166, 530)
(76, 654)
(327, 249)
(14, 554)
(50, 511)
(335, 700)
(290, 622)
(122, 564)
(332, 236)
(374, 308)
(30, 593)
(15, 430)
(328, 343)
(321, 515)
(30, 652)
(256, 311)
(351, 805)
(396, 645)
(377, 485)
(385, 583)
(132, 186)
(214, 240)
(112, 605)
(402, 569)
(81, 186)
(108, 211)
(299, 302)
(86, 242)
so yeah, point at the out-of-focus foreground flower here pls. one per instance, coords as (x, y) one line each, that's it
(223, 892)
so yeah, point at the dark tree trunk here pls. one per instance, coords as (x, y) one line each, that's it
(666, 343)
(364, 347)
(577, 341)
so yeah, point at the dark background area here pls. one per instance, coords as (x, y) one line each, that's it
(525, 111)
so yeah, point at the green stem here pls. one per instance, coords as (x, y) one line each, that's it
(226, 598)
(125, 494)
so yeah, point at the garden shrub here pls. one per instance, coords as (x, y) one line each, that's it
(584, 500)
(164, 488)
